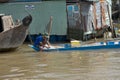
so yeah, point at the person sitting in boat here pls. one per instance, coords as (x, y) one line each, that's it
(42, 41)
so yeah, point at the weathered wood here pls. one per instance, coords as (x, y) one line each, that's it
(49, 26)
(15, 37)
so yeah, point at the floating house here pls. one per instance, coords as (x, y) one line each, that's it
(87, 17)
(71, 18)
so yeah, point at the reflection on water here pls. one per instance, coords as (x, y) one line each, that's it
(25, 64)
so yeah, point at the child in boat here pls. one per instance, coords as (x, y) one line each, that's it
(42, 41)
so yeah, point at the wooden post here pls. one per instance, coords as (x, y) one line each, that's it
(31, 41)
(110, 20)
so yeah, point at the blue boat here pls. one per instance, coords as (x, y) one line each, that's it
(98, 46)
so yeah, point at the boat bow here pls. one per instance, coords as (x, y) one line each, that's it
(27, 20)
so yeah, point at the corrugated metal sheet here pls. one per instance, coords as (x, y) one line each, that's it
(87, 17)
(91, 17)
(73, 16)
(74, 22)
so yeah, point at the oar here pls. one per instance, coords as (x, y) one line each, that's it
(50, 25)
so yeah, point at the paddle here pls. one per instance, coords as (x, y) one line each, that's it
(49, 26)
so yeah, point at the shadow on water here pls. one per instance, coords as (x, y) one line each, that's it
(7, 51)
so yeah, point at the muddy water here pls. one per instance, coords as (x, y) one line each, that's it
(25, 64)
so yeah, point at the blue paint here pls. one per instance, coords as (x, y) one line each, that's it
(110, 43)
(66, 48)
(35, 48)
(102, 43)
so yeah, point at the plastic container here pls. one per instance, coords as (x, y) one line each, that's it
(75, 43)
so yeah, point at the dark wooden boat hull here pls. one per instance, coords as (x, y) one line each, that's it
(3, 1)
(13, 38)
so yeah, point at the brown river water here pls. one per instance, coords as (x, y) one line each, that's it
(26, 64)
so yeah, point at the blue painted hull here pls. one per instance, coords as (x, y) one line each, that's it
(98, 47)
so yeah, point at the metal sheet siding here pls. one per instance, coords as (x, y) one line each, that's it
(41, 12)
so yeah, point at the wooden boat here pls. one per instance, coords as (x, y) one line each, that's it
(3, 1)
(94, 46)
(11, 35)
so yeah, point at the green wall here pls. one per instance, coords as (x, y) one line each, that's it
(41, 13)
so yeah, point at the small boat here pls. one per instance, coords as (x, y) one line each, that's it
(94, 46)
(13, 35)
